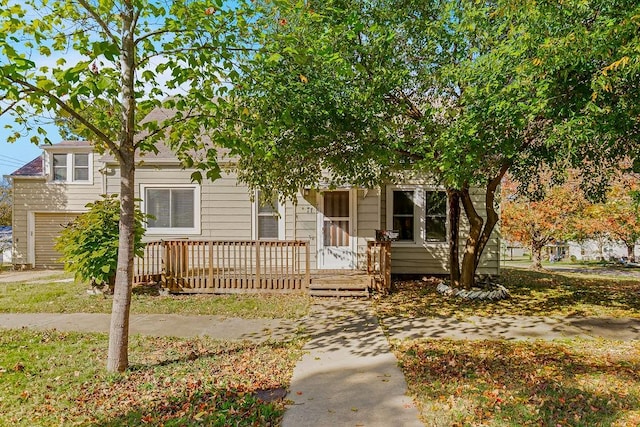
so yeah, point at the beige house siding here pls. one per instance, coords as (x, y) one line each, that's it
(368, 221)
(408, 258)
(306, 222)
(225, 205)
(37, 196)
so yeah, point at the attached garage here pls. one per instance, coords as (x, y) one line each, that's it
(47, 227)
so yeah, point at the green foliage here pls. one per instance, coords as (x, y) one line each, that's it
(106, 66)
(586, 53)
(451, 89)
(89, 244)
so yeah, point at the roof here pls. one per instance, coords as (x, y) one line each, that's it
(67, 144)
(33, 168)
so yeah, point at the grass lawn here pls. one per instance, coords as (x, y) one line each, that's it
(533, 294)
(59, 379)
(523, 383)
(70, 297)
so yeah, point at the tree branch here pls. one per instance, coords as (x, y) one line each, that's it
(101, 135)
(9, 108)
(492, 215)
(193, 49)
(100, 21)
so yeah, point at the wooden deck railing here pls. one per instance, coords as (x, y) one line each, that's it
(225, 266)
(379, 265)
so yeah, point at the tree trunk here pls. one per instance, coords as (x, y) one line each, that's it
(536, 256)
(469, 264)
(631, 252)
(118, 359)
(479, 230)
(454, 232)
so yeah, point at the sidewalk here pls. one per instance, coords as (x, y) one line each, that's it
(348, 376)
(224, 328)
(513, 328)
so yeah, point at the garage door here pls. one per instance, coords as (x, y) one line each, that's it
(47, 229)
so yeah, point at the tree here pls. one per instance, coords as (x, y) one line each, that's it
(616, 219)
(370, 92)
(108, 64)
(536, 223)
(622, 214)
(89, 244)
(6, 203)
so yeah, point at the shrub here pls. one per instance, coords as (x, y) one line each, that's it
(89, 244)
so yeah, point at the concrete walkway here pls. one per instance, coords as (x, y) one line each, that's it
(348, 375)
(513, 328)
(219, 327)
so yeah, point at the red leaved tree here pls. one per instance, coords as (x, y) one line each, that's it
(537, 222)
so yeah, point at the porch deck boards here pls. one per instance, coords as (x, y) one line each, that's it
(217, 267)
(340, 283)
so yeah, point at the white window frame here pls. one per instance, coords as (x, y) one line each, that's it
(155, 231)
(280, 209)
(419, 215)
(71, 168)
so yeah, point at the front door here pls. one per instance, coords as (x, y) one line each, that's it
(335, 231)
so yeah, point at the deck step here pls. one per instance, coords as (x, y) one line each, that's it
(340, 287)
(333, 285)
(338, 293)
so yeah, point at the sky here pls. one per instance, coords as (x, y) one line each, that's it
(17, 154)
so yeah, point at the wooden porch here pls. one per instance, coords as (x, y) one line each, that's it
(217, 267)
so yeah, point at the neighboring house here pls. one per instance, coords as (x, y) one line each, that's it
(52, 189)
(5, 244)
(594, 250)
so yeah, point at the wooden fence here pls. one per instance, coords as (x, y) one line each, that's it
(195, 266)
(379, 265)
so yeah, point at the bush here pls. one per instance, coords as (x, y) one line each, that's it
(89, 244)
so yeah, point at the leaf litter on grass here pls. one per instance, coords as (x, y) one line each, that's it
(524, 383)
(532, 294)
(171, 381)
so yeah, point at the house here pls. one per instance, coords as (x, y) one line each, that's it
(336, 224)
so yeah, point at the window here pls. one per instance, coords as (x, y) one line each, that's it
(435, 220)
(175, 210)
(419, 214)
(81, 167)
(268, 217)
(403, 214)
(59, 167)
(71, 167)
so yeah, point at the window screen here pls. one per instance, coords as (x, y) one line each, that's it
(170, 207)
(403, 214)
(435, 216)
